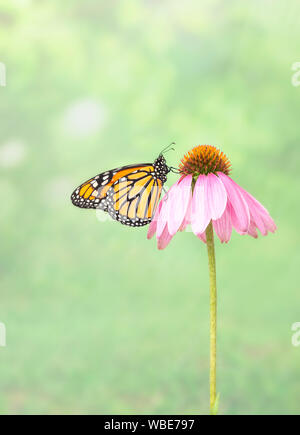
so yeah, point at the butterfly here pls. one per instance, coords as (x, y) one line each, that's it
(129, 194)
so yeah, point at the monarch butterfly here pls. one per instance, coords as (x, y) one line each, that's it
(129, 194)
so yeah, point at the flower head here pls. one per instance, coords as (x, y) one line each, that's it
(204, 159)
(206, 193)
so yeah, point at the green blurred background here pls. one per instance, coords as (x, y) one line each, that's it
(98, 320)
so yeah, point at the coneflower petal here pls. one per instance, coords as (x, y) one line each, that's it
(202, 237)
(164, 238)
(153, 223)
(179, 201)
(200, 217)
(216, 196)
(240, 215)
(252, 230)
(163, 215)
(223, 225)
(187, 217)
(259, 214)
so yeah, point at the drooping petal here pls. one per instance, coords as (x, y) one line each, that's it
(223, 225)
(164, 238)
(202, 237)
(216, 196)
(200, 217)
(240, 215)
(187, 217)
(153, 223)
(259, 214)
(252, 230)
(258, 221)
(162, 217)
(269, 223)
(179, 200)
(251, 198)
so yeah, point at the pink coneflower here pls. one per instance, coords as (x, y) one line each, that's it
(209, 200)
(205, 193)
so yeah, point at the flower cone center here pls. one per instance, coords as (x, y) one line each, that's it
(204, 159)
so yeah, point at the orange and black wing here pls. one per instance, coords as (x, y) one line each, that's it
(129, 194)
(133, 198)
(92, 193)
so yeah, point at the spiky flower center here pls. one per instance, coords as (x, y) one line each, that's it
(204, 159)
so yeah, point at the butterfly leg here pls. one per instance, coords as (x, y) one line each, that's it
(165, 192)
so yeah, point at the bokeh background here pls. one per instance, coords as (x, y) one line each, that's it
(97, 319)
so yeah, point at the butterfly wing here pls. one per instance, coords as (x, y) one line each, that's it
(129, 194)
(91, 194)
(133, 198)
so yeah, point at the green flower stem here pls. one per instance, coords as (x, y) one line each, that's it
(213, 316)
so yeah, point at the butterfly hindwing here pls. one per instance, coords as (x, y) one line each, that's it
(91, 194)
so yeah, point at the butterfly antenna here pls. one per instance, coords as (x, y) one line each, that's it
(168, 148)
(166, 193)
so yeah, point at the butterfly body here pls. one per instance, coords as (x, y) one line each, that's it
(129, 194)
